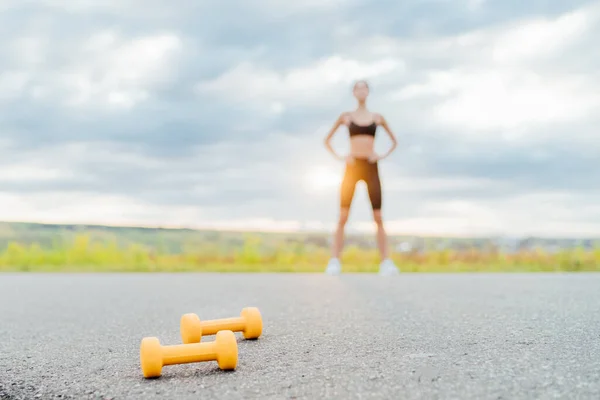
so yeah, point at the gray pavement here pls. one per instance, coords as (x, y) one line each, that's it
(488, 336)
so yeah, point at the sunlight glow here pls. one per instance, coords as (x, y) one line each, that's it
(322, 178)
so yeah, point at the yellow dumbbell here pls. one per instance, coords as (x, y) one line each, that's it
(249, 323)
(153, 356)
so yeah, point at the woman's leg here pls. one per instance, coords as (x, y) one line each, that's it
(374, 188)
(387, 266)
(382, 242)
(346, 194)
(338, 239)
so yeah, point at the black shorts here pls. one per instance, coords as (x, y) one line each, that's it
(361, 170)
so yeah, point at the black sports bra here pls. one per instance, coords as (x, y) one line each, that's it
(362, 129)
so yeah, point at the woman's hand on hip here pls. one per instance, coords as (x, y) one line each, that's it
(373, 158)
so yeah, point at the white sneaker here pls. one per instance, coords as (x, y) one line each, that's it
(388, 268)
(334, 267)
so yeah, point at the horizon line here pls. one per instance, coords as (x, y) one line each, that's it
(295, 231)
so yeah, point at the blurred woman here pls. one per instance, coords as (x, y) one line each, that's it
(362, 164)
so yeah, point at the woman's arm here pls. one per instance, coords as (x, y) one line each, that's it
(383, 123)
(332, 131)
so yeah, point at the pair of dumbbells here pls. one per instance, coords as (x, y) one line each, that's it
(223, 350)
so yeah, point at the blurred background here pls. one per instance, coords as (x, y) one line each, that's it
(154, 136)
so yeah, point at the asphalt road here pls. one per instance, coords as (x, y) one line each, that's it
(352, 336)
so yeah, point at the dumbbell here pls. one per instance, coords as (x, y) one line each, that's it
(153, 356)
(249, 322)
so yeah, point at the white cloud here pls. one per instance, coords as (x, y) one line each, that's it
(29, 51)
(475, 5)
(89, 208)
(252, 224)
(276, 7)
(505, 78)
(103, 70)
(540, 37)
(277, 107)
(287, 8)
(314, 84)
(12, 84)
(512, 99)
(547, 214)
(119, 72)
(433, 184)
(78, 6)
(32, 172)
(69, 157)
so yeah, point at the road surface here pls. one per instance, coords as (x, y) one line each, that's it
(488, 336)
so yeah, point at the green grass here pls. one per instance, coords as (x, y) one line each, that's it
(89, 252)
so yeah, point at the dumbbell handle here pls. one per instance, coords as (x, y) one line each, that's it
(211, 327)
(189, 353)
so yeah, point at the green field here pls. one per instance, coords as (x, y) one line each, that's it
(51, 248)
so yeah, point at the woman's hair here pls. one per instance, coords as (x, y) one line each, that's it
(360, 81)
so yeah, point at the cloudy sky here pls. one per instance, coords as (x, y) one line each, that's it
(212, 114)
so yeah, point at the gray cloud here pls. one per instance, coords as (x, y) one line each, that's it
(196, 149)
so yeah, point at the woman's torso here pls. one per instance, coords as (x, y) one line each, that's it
(361, 128)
